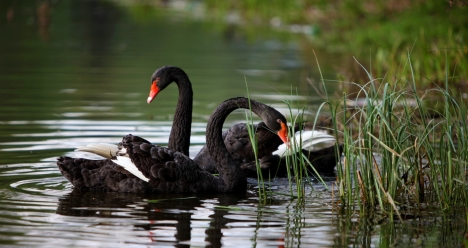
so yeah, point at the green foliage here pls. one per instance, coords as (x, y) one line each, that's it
(406, 144)
(380, 30)
(402, 151)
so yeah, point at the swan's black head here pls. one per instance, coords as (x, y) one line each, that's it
(161, 78)
(276, 122)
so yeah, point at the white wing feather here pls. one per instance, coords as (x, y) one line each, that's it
(312, 139)
(128, 165)
(309, 140)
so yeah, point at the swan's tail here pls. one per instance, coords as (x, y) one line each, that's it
(101, 149)
(305, 140)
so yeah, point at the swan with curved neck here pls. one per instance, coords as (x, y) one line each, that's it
(139, 166)
(179, 139)
(226, 165)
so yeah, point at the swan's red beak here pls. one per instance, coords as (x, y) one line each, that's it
(283, 133)
(154, 90)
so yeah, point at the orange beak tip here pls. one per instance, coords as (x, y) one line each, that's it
(154, 90)
(283, 133)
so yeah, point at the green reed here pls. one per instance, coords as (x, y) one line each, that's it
(253, 140)
(402, 147)
(399, 148)
(297, 163)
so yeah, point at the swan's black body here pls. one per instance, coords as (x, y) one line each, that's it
(168, 170)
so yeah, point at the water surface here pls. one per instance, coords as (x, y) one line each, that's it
(78, 72)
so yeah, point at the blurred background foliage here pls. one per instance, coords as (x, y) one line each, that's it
(422, 41)
(380, 34)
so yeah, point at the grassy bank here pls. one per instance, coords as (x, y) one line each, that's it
(378, 33)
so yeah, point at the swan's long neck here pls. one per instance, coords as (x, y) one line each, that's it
(179, 139)
(229, 170)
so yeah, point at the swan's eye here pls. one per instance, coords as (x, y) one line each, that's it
(279, 121)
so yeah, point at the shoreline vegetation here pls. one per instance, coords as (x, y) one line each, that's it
(402, 151)
(407, 104)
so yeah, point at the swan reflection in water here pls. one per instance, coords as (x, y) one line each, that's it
(163, 219)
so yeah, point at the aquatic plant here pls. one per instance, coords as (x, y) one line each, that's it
(400, 149)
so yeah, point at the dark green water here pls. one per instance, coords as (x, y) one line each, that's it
(78, 72)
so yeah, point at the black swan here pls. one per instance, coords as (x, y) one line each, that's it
(179, 139)
(138, 166)
(236, 138)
